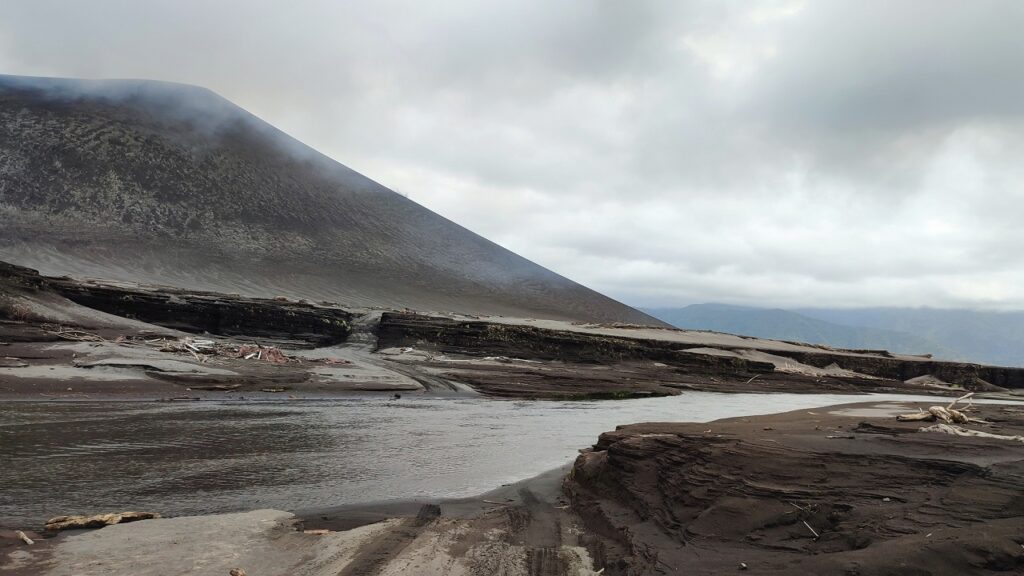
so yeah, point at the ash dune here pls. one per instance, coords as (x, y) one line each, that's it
(170, 184)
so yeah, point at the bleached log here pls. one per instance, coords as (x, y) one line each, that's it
(96, 521)
(946, 414)
(960, 431)
(916, 417)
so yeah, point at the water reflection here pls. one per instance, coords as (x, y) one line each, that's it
(86, 457)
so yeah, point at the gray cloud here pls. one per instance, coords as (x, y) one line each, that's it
(779, 153)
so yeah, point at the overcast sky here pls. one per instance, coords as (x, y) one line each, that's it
(773, 154)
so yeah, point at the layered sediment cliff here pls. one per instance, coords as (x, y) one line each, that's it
(820, 492)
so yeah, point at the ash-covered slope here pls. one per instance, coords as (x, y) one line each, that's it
(171, 184)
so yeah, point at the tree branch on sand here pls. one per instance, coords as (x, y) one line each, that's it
(960, 431)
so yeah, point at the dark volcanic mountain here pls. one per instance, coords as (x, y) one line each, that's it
(171, 184)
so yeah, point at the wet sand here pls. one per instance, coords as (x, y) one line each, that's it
(518, 529)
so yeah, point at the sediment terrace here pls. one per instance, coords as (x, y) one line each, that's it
(61, 329)
(705, 359)
(278, 320)
(847, 490)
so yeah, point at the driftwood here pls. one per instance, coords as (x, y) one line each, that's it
(217, 387)
(959, 431)
(97, 520)
(203, 349)
(813, 531)
(264, 353)
(24, 537)
(945, 414)
(72, 334)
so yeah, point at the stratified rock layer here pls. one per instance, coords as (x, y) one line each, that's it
(488, 338)
(804, 493)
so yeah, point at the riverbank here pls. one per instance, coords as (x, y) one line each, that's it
(519, 529)
(63, 338)
(840, 490)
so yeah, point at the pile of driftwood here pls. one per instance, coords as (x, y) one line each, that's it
(197, 347)
(946, 418)
(72, 334)
(265, 353)
(946, 415)
(202, 349)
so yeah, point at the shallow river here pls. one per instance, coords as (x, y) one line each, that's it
(189, 458)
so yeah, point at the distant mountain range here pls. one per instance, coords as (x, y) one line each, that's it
(983, 337)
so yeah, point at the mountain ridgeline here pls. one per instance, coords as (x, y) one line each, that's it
(785, 325)
(995, 338)
(170, 184)
(987, 337)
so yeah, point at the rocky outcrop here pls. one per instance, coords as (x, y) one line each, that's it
(17, 278)
(221, 314)
(299, 323)
(883, 365)
(478, 338)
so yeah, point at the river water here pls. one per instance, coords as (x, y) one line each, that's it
(202, 457)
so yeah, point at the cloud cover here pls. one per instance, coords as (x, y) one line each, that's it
(780, 153)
